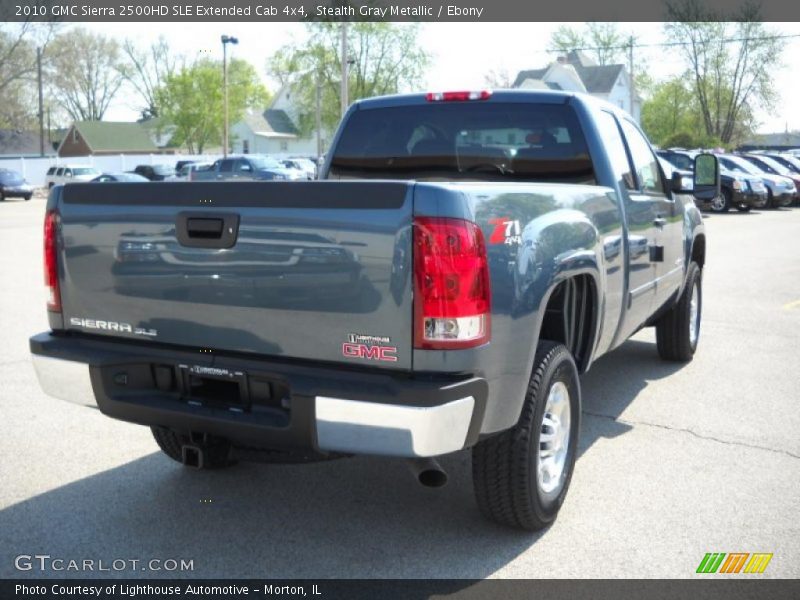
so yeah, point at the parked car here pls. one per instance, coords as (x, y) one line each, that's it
(774, 167)
(485, 279)
(780, 190)
(787, 160)
(69, 174)
(182, 163)
(184, 174)
(247, 168)
(154, 172)
(302, 164)
(117, 177)
(13, 185)
(737, 190)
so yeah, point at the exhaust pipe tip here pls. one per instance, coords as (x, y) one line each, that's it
(432, 478)
(428, 472)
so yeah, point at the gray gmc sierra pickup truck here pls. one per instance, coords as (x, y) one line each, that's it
(468, 255)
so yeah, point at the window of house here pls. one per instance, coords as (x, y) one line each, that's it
(246, 147)
(284, 146)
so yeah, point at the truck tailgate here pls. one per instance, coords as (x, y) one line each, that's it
(313, 270)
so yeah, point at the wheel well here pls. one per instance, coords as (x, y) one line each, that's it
(699, 250)
(569, 317)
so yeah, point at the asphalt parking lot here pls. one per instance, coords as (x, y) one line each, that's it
(676, 460)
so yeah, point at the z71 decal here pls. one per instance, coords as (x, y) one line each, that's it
(506, 231)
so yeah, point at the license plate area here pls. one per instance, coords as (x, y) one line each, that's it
(216, 388)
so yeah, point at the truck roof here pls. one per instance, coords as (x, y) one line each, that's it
(534, 96)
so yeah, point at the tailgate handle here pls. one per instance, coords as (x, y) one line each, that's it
(207, 230)
(204, 228)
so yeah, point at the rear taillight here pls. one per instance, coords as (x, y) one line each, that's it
(51, 260)
(452, 293)
(457, 96)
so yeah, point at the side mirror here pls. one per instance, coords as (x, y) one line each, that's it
(706, 177)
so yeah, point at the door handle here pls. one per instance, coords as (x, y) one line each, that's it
(659, 222)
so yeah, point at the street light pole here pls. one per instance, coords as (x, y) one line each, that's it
(344, 68)
(226, 39)
(319, 117)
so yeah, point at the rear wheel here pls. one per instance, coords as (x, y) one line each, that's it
(521, 476)
(678, 331)
(216, 452)
(770, 199)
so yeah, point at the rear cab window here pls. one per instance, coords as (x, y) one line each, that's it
(505, 141)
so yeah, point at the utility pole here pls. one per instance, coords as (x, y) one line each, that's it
(41, 100)
(630, 77)
(344, 68)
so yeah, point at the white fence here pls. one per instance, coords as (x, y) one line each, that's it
(35, 169)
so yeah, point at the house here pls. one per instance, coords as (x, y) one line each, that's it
(576, 72)
(100, 138)
(772, 141)
(273, 131)
(15, 143)
(159, 131)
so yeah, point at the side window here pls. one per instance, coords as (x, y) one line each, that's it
(59, 171)
(51, 170)
(644, 161)
(226, 166)
(609, 131)
(682, 161)
(243, 165)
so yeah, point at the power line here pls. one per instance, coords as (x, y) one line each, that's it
(673, 44)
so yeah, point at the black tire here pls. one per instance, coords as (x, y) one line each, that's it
(504, 466)
(743, 209)
(770, 200)
(27, 197)
(674, 330)
(2, 196)
(217, 452)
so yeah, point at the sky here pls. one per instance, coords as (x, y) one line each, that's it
(462, 54)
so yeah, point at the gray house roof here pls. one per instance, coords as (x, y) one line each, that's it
(271, 121)
(529, 74)
(783, 140)
(22, 143)
(599, 79)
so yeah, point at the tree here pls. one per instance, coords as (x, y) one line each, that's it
(385, 58)
(671, 109)
(18, 43)
(84, 73)
(731, 62)
(499, 79)
(602, 41)
(192, 100)
(146, 70)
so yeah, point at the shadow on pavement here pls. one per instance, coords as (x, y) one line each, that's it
(613, 383)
